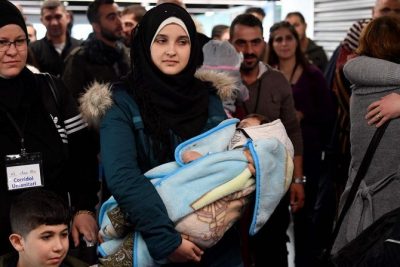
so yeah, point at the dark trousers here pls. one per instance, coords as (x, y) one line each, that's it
(268, 246)
(313, 224)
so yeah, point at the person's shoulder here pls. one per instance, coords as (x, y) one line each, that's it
(9, 260)
(313, 70)
(119, 91)
(220, 83)
(272, 74)
(313, 46)
(275, 82)
(77, 54)
(102, 98)
(74, 41)
(38, 44)
(77, 51)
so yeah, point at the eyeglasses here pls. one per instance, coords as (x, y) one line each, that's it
(20, 44)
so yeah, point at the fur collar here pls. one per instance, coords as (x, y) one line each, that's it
(98, 96)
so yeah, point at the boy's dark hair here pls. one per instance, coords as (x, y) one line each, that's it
(257, 10)
(246, 20)
(37, 207)
(297, 14)
(51, 4)
(93, 10)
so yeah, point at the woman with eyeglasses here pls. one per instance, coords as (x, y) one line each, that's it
(315, 113)
(43, 140)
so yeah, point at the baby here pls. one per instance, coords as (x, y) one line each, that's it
(237, 140)
(231, 195)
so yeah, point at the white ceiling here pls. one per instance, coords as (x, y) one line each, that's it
(32, 7)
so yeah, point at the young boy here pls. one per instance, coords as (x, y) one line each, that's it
(39, 221)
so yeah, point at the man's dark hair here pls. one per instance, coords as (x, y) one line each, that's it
(137, 10)
(246, 20)
(93, 9)
(51, 4)
(218, 31)
(37, 207)
(297, 14)
(257, 10)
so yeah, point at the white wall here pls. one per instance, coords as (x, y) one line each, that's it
(305, 7)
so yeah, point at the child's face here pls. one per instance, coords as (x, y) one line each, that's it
(47, 245)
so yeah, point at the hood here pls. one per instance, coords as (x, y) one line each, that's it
(372, 72)
(97, 99)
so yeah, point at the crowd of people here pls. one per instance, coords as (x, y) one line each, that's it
(85, 120)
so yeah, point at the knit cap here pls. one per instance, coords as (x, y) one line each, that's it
(10, 14)
(221, 56)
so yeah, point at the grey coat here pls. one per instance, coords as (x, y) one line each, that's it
(380, 189)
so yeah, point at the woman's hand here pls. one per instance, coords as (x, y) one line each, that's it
(296, 197)
(85, 224)
(299, 115)
(187, 251)
(388, 107)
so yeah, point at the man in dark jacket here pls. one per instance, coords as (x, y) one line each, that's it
(101, 57)
(271, 96)
(313, 52)
(50, 52)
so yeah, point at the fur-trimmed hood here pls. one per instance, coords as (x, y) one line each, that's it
(97, 99)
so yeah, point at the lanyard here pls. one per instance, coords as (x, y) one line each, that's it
(19, 130)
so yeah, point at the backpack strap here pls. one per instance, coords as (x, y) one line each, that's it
(362, 170)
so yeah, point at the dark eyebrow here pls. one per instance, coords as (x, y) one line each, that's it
(111, 14)
(251, 41)
(47, 233)
(161, 35)
(19, 37)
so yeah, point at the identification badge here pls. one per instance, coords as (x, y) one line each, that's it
(24, 171)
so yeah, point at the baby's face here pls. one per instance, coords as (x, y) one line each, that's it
(249, 122)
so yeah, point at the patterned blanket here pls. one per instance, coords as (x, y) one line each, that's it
(209, 193)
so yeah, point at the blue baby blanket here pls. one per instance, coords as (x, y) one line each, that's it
(217, 183)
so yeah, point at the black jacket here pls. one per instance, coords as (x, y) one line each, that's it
(55, 129)
(94, 61)
(47, 58)
(316, 55)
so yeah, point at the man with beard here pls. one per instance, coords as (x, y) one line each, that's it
(102, 56)
(271, 96)
(49, 53)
